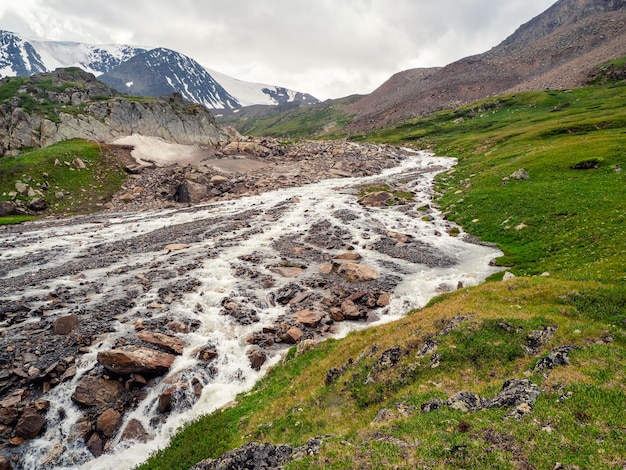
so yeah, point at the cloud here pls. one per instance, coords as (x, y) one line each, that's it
(328, 48)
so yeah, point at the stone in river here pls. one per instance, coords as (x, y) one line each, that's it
(143, 361)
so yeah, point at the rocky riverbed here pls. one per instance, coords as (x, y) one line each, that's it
(117, 327)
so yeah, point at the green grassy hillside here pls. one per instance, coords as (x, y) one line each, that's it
(563, 233)
(74, 176)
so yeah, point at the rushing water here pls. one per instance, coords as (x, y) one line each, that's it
(100, 259)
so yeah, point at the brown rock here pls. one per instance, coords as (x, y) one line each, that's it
(377, 199)
(15, 398)
(8, 416)
(134, 431)
(257, 358)
(325, 268)
(384, 299)
(95, 445)
(310, 318)
(5, 463)
(286, 271)
(354, 272)
(294, 334)
(143, 361)
(165, 400)
(63, 326)
(400, 237)
(348, 256)
(30, 424)
(336, 314)
(350, 310)
(207, 353)
(170, 343)
(96, 391)
(109, 422)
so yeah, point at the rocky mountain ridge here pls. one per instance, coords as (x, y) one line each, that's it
(135, 70)
(70, 103)
(557, 49)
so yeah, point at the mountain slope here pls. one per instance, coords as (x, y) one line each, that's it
(557, 48)
(159, 72)
(153, 72)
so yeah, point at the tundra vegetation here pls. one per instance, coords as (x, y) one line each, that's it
(561, 225)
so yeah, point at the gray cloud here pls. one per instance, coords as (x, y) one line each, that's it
(327, 48)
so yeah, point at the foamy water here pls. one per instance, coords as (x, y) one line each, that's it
(228, 231)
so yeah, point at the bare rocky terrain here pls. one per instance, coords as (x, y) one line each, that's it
(558, 49)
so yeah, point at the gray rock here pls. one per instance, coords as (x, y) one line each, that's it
(7, 208)
(37, 205)
(432, 405)
(514, 393)
(557, 357)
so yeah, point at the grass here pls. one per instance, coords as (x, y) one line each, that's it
(568, 222)
(326, 118)
(55, 168)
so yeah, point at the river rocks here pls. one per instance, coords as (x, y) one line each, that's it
(109, 422)
(377, 199)
(354, 272)
(138, 361)
(310, 318)
(30, 424)
(134, 431)
(293, 335)
(97, 392)
(257, 358)
(169, 343)
(65, 325)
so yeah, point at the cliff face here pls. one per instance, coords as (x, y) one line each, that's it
(70, 103)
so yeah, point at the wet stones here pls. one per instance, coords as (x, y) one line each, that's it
(167, 342)
(63, 326)
(142, 361)
(97, 392)
(309, 318)
(355, 272)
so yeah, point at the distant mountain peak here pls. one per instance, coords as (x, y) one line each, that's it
(140, 71)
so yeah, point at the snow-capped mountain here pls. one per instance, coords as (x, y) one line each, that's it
(140, 71)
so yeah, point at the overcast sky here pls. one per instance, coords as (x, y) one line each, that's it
(329, 48)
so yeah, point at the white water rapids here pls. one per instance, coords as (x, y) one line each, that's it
(101, 259)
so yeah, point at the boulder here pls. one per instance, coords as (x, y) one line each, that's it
(355, 272)
(37, 205)
(257, 358)
(134, 431)
(287, 271)
(8, 416)
(30, 424)
(310, 318)
(109, 422)
(350, 310)
(95, 445)
(97, 392)
(63, 326)
(5, 463)
(143, 361)
(7, 208)
(171, 343)
(293, 335)
(377, 199)
(165, 400)
(190, 192)
(247, 148)
(520, 175)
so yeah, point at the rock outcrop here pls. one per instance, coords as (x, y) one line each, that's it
(73, 104)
